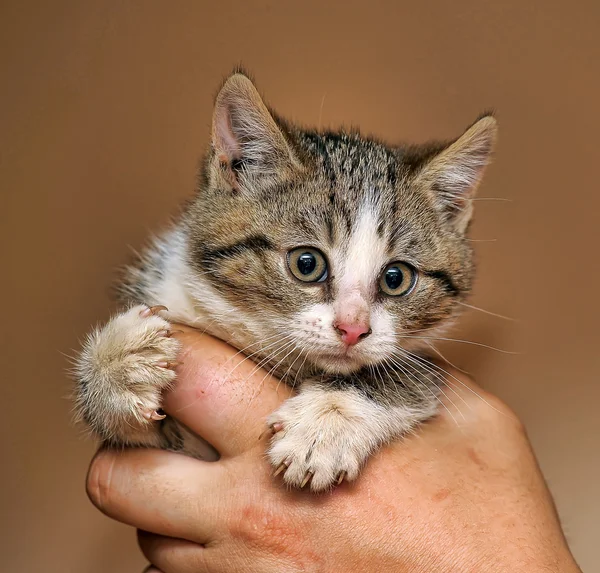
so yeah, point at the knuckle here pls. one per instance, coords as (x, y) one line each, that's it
(98, 483)
(269, 531)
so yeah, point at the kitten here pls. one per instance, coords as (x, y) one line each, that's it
(329, 255)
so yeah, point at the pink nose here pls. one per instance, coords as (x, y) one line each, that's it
(352, 333)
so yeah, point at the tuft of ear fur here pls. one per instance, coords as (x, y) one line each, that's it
(247, 142)
(454, 174)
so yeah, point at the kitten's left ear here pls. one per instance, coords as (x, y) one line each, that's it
(454, 174)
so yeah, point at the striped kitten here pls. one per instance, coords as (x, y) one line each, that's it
(329, 255)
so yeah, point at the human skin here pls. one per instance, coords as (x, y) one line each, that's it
(464, 494)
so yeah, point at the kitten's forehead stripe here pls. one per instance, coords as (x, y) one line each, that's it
(392, 175)
(330, 230)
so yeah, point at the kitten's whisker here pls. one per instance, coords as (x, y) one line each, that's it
(382, 372)
(374, 370)
(487, 311)
(371, 371)
(283, 377)
(267, 359)
(279, 338)
(434, 365)
(321, 111)
(409, 357)
(275, 367)
(242, 350)
(275, 343)
(379, 377)
(445, 359)
(256, 391)
(417, 361)
(308, 351)
(260, 386)
(255, 369)
(300, 350)
(416, 330)
(418, 384)
(463, 342)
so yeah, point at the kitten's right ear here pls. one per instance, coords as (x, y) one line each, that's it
(249, 146)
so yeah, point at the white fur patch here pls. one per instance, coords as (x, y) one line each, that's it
(357, 265)
(170, 290)
(194, 301)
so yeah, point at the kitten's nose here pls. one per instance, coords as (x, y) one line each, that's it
(352, 333)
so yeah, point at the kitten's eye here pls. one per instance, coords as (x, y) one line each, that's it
(398, 279)
(307, 265)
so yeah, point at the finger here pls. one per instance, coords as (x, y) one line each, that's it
(174, 555)
(160, 491)
(180, 556)
(152, 569)
(221, 394)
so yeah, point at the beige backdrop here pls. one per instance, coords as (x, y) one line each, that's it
(105, 108)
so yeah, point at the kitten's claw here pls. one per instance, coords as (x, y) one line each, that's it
(306, 479)
(284, 466)
(276, 427)
(152, 310)
(271, 429)
(173, 333)
(169, 333)
(340, 478)
(154, 415)
(168, 364)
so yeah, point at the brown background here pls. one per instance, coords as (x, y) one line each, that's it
(105, 108)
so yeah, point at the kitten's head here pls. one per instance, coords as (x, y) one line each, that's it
(331, 246)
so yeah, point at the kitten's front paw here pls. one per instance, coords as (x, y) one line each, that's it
(318, 441)
(122, 371)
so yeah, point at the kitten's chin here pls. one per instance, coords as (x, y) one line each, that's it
(339, 364)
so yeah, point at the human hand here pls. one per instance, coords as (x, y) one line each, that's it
(463, 494)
